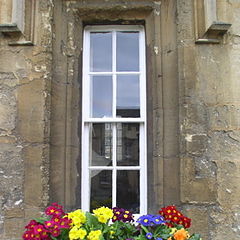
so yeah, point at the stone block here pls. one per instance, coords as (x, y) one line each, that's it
(196, 144)
(228, 178)
(8, 79)
(11, 175)
(31, 108)
(14, 228)
(33, 189)
(191, 186)
(8, 109)
(200, 220)
(224, 117)
(224, 145)
(14, 212)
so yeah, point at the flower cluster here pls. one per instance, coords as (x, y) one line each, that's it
(103, 214)
(151, 220)
(173, 216)
(120, 214)
(171, 224)
(46, 229)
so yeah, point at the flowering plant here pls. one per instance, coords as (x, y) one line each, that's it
(109, 224)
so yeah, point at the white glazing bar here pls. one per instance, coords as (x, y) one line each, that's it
(142, 61)
(143, 170)
(116, 167)
(114, 52)
(110, 73)
(114, 173)
(109, 120)
(85, 191)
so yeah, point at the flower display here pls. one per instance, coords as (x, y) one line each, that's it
(109, 224)
(120, 214)
(173, 216)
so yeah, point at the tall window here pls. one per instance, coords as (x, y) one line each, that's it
(114, 118)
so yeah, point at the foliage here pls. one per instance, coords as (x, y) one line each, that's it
(109, 224)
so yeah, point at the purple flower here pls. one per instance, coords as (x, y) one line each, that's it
(145, 220)
(150, 220)
(149, 235)
(121, 214)
(159, 238)
(158, 219)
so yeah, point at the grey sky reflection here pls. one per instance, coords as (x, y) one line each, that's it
(101, 96)
(128, 92)
(101, 52)
(127, 51)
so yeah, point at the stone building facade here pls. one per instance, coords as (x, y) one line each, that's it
(193, 111)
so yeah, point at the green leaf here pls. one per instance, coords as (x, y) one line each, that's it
(92, 221)
(195, 237)
(40, 220)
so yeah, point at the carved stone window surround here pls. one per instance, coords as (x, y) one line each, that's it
(208, 29)
(17, 21)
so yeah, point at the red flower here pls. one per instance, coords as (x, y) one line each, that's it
(173, 216)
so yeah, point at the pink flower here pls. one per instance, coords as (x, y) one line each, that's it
(49, 224)
(31, 224)
(54, 210)
(55, 232)
(65, 223)
(38, 229)
(27, 235)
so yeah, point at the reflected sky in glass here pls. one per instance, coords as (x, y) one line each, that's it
(101, 96)
(127, 51)
(101, 52)
(128, 96)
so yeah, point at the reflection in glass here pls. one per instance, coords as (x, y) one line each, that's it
(101, 189)
(128, 96)
(128, 190)
(127, 51)
(127, 144)
(101, 96)
(101, 51)
(100, 144)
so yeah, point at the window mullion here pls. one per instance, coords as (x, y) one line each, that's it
(114, 161)
(142, 75)
(114, 57)
(85, 167)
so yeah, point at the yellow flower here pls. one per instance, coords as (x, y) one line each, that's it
(103, 214)
(94, 235)
(181, 234)
(76, 233)
(173, 230)
(78, 217)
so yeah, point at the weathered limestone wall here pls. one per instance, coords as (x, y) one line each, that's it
(209, 124)
(25, 74)
(193, 103)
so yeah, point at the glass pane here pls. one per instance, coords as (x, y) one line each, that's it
(127, 144)
(128, 96)
(101, 51)
(128, 193)
(101, 189)
(127, 51)
(100, 144)
(101, 96)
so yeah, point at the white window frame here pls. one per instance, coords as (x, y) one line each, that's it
(86, 120)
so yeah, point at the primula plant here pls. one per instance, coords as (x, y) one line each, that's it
(109, 224)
